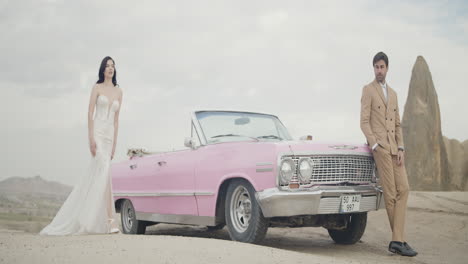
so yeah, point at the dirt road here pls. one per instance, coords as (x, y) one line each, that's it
(436, 227)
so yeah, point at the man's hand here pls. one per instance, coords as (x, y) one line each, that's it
(401, 158)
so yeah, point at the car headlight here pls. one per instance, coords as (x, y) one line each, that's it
(287, 169)
(305, 169)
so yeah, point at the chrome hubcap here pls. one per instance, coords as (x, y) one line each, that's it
(127, 216)
(241, 209)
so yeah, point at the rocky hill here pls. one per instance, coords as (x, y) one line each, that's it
(432, 161)
(35, 185)
(30, 203)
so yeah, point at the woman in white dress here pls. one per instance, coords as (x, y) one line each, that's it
(89, 209)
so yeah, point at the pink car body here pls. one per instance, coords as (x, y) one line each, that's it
(189, 186)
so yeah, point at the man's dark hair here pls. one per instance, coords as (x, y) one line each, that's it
(380, 56)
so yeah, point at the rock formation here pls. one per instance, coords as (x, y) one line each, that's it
(432, 162)
(457, 155)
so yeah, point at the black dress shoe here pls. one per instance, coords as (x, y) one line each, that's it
(401, 249)
(409, 248)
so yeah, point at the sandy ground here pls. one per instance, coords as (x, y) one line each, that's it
(436, 227)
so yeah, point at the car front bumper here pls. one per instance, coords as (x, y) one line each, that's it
(315, 200)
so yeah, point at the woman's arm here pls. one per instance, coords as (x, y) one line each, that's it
(91, 108)
(116, 124)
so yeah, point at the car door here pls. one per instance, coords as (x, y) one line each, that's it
(137, 180)
(175, 187)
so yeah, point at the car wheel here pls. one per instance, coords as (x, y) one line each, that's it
(130, 225)
(353, 232)
(244, 217)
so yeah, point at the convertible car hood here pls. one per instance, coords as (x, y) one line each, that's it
(310, 147)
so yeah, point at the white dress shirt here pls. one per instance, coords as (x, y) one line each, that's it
(385, 91)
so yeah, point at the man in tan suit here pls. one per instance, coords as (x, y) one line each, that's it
(380, 123)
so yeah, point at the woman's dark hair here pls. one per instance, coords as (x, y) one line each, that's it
(103, 68)
(380, 56)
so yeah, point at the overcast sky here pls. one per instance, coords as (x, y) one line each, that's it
(304, 61)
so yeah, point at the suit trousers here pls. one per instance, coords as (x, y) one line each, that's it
(394, 181)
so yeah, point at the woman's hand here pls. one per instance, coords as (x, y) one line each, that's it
(92, 146)
(112, 155)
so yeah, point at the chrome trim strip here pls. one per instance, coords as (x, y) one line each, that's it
(344, 146)
(264, 170)
(264, 164)
(203, 193)
(232, 111)
(192, 127)
(332, 152)
(177, 219)
(149, 194)
(200, 132)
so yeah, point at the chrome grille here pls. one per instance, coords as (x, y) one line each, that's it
(332, 169)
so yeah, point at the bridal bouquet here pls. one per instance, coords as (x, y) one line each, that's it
(137, 152)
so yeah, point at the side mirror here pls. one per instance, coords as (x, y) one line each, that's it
(189, 143)
(308, 137)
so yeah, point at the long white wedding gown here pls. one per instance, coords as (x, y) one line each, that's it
(90, 207)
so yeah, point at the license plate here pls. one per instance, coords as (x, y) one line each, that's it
(350, 203)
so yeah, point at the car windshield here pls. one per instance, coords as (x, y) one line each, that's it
(238, 126)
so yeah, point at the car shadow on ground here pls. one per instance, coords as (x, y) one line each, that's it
(304, 240)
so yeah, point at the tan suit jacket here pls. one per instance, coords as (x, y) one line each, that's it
(380, 118)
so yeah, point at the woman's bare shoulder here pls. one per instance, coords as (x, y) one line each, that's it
(96, 88)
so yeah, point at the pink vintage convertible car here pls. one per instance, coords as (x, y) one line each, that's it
(243, 170)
